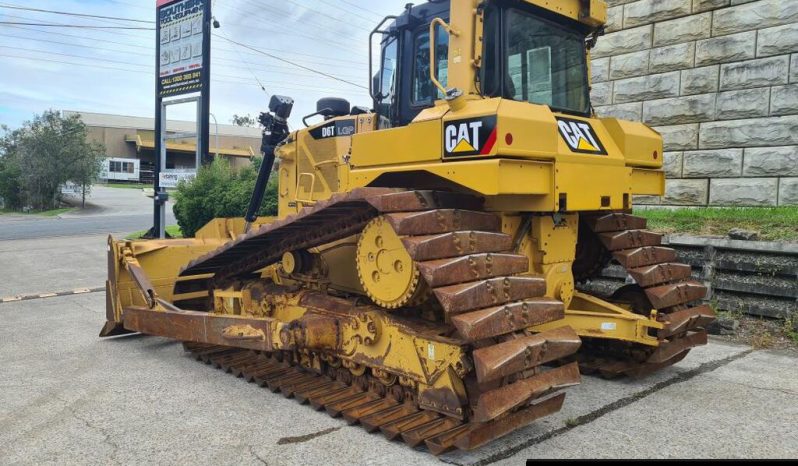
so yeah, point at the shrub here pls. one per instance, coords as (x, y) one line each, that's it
(219, 191)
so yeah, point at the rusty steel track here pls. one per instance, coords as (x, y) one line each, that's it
(470, 269)
(661, 284)
(357, 403)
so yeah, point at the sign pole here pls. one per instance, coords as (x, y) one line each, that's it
(158, 229)
(183, 66)
(205, 101)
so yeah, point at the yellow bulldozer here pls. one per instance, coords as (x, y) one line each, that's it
(423, 275)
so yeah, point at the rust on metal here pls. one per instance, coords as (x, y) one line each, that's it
(616, 222)
(433, 222)
(447, 245)
(395, 419)
(465, 261)
(472, 267)
(394, 429)
(434, 428)
(687, 319)
(494, 403)
(658, 274)
(641, 257)
(520, 354)
(482, 434)
(628, 239)
(341, 215)
(456, 299)
(500, 320)
(353, 414)
(414, 201)
(667, 287)
(677, 293)
(373, 422)
(199, 327)
(676, 346)
(446, 441)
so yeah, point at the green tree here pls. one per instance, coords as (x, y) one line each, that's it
(219, 191)
(11, 196)
(45, 154)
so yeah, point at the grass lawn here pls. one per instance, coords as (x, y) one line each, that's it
(173, 231)
(126, 185)
(772, 223)
(46, 213)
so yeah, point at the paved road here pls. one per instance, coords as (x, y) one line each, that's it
(67, 396)
(60, 227)
(36, 266)
(114, 210)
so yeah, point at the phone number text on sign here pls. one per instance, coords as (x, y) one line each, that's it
(181, 47)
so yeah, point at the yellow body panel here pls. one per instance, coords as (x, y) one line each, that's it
(398, 146)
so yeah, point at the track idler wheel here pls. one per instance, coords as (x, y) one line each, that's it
(386, 271)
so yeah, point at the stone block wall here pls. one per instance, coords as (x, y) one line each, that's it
(719, 80)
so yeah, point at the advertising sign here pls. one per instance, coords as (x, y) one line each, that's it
(172, 178)
(181, 46)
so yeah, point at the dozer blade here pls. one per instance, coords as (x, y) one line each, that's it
(481, 434)
(494, 403)
(688, 319)
(457, 299)
(642, 257)
(469, 268)
(615, 241)
(661, 273)
(446, 245)
(678, 293)
(672, 348)
(442, 221)
(520, 354)
(616, 222)
(500, 320)
(113, 329)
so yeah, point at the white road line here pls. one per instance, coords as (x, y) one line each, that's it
(11, 299)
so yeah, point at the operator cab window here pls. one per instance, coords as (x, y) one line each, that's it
(387, 86)
(536, 60)
(424, 93)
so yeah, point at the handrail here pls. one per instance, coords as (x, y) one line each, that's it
(432, 44)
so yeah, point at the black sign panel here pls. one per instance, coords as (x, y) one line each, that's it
(183, 46)
(473, 136)
(580, 136)
(334, 129)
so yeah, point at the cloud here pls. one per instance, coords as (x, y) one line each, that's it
(74, 68)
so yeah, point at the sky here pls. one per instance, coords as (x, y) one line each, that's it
(113, 71)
